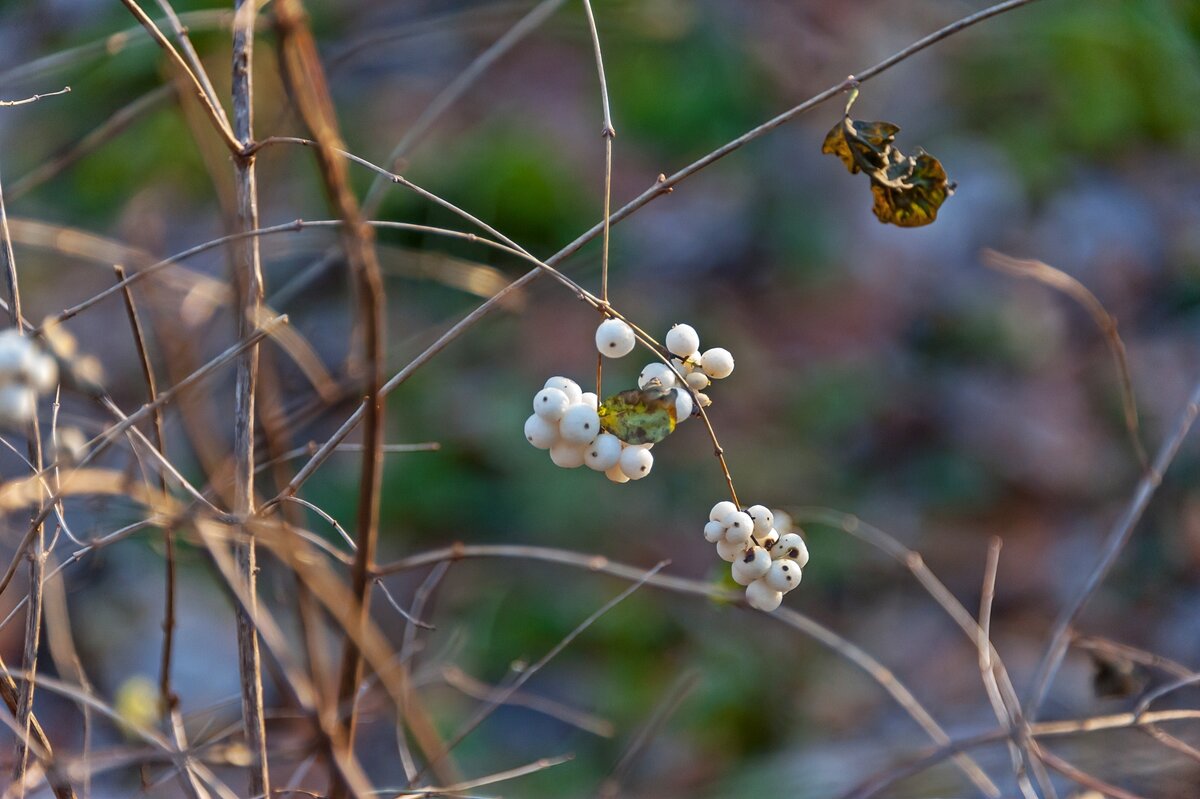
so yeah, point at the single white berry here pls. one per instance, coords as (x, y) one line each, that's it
(764, 520)
(791, 546)
(18, 404)
(783, 522)
(683, 340)
(603, 453)
(683, 405)
(698, 381)
(754, 563)
(721, 510)
(738, 527)
(784, 575)
(14, 352)
(714, 532)
(656, 372)
(551, 404)
(718, 363)
(636, 462)
(42, 373)
(567, 386)
(761, 596)
(590, 399)
(768, 539)
(580, 424)
(614, 338)
(567, 454)
(540, 432)
(730, 551)
(616, 475)
(704, 399)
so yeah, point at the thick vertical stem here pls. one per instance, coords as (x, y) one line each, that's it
(306, 80)
(248, 280)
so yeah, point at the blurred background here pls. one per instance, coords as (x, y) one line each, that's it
(882, 372)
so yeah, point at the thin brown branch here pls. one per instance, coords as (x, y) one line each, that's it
(822, 635)
(1083, 778)
(1062, 282)
(305, 79)
(502, 696)
(167, 696)
(683, 685)
(34, 98)
(248, 282)
(1118, 537)
(216, 113)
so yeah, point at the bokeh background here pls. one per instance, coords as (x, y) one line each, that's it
(883, 372)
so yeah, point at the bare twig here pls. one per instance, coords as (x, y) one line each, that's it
(305, 78)
(526, 674)
(1082, 777)
(139, 339)
(34, 98)
(683, 685)
(215, 112)
(1118, 536)
(1061, 281)
(987, 668)
(822, 635)
(248, 278)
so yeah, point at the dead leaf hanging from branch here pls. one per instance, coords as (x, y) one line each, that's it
(908, 189)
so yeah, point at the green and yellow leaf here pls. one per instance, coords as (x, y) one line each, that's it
(639, 416)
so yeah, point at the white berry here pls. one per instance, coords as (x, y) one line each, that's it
(738, 527)
(541, 433)
(718, 363)
(616, 475)
(590, 399)
(791, 546)
(714, 532)
(567, 386)
(636, 462)
(614, 338)
(18, 404)
(683, 405)
(768, 539)
(764, 520)
(784, 575)
(783, 522)
(761, 596)
(730, 551)
(721, 510)
(42, 373)
(603, 453)
(697, 380)
(566, 454)
(656, 372)
(754, 563)
(683, 340)
(551, 404)
(580, 424)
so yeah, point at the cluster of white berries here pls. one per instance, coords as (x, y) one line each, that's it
(565, 422)
(615, 339)
(25, 372)
(767, 556)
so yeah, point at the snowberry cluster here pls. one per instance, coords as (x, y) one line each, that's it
(767, 556)
(25, 372)
(565, 422)
(699, 369)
